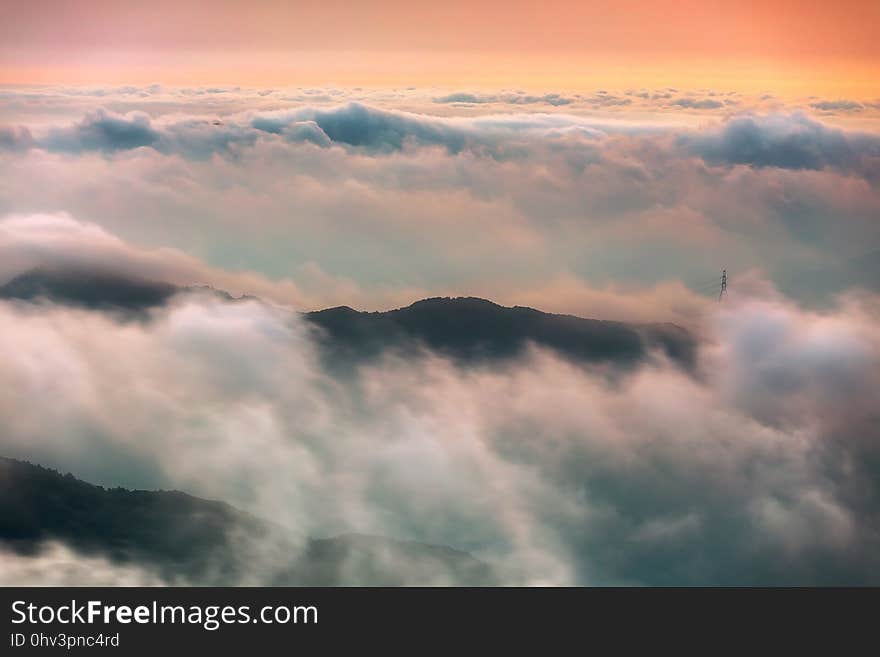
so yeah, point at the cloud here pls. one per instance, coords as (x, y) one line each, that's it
(358, 125)
(362, 126)
(450, 205)
(58, 565)
(306, 131)
(605, 99)
(108, 132)
(103, 131)
(837, 105)
(510, 99)
(464, 97)
(15, 139)
(790, 142)
(41, 105)
(354, 125)
(759, 470)
(58, 241)
(698, 103)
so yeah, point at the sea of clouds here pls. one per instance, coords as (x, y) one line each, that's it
(762, 466)
(371, 206)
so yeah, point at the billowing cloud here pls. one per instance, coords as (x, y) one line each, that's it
(758, 470)
(368, 127)
(604, 99)
(508, 98)
(448, 205)
(15, 139)
(698, 103)
(59, 242)
(103, 131)
(757, 466)
(59, 565)
(354, 125)
(108, 132)
(790, 142)
(837, 106)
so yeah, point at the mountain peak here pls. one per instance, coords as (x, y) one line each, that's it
(469, 329)
(474, 329)
(454, 301)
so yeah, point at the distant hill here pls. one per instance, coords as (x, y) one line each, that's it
(469, 329)
(465, 328)
(202, 541)
(180, 534)
(98, 290)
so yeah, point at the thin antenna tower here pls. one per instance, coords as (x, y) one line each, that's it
(723, 284)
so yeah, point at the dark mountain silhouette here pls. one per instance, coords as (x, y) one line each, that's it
(465, 328)
(471, 329)
(202, 541)
(182, 534)
(100, 290)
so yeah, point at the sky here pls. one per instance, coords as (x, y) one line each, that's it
(779, 45)
(605, 160)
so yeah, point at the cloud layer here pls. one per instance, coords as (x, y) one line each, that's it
(388, 204)
(761, 469)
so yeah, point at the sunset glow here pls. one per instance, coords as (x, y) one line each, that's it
(779, 45)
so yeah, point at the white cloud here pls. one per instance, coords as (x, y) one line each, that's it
(57, 565)
(757, 470)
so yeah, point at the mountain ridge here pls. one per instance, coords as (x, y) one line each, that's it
(471, 328)
(466, 328)
(201, 541)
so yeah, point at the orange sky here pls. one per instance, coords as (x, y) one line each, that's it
(775, 45)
